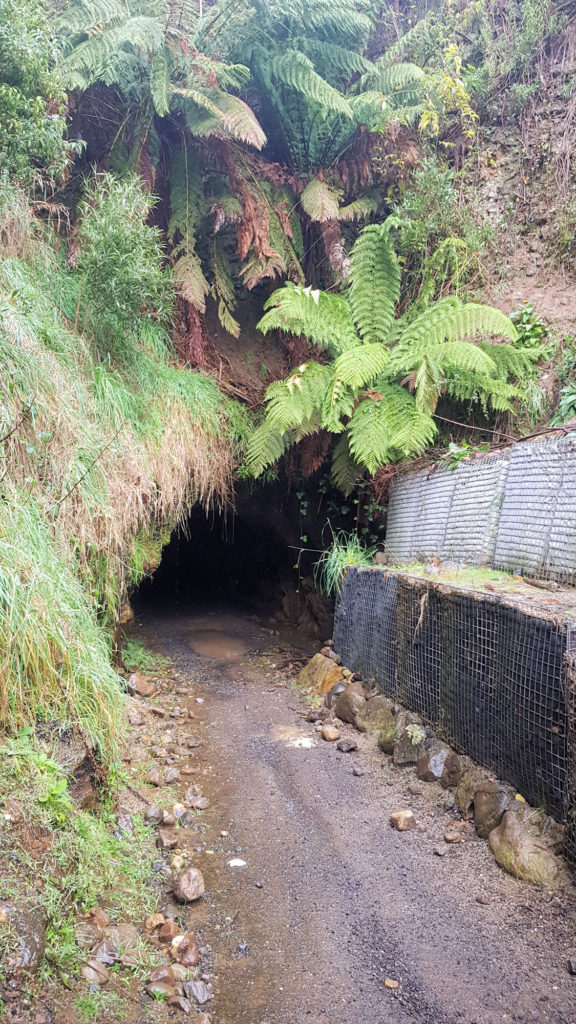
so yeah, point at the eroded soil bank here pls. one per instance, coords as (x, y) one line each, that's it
(331, 901)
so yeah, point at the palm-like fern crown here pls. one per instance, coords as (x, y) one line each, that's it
(380, 377)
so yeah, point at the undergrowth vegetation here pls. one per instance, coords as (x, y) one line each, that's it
(106, 442)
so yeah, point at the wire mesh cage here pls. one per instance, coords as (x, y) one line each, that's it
(492, 673)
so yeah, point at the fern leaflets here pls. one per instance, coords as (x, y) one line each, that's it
(381, 389)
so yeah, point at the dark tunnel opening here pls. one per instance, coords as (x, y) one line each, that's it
(248, 561)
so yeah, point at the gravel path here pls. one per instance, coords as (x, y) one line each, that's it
(332, 901)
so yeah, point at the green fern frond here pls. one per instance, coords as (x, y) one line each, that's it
(331, 60)
(417, 38)
(364, 206)
(297, 399)
(345, 473)
(227, 320)
(222, 115)
(160, 69)
(295, 70)
(320, 202)
(509, 360)
(338, 404)
(388, 425)
(80, 18)
(391, 79)
(89, 57)
(374, 282)
(448, 320)
(223, 287)
(265, 447)
(488, 391)
(322, 317)
(361, 364)
(190, 279)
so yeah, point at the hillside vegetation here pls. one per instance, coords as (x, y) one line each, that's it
(172, 174)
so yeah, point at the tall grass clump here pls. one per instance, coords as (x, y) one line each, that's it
(105, 444)
(346, 550)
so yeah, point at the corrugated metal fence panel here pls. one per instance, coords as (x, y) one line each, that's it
(535, 477)
(403, 515)
(472, 520)
(513, 510)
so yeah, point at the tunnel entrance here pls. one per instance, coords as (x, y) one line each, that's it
(243, 562)
(223, 560)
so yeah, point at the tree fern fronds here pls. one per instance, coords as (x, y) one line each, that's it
(295, 70)
(80, 18)
(223, 287)
(144, 33)
(266, 446)
(227, 320)
(386, 424)
(510, 361)
(417, 37)
(183, 15)
(345, 473)
(427, 385)
(390, 79)
(476, 387)
(338, 404)
(190, 279)
(374, 282)
(446, 321)
(360, 365)
(361, 207)
(240, 120)
(231, 76)
(330, 60)
(160, 81)
(320, 202)
(321, 317)
(225, 116)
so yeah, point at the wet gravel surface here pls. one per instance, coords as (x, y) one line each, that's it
(332, 901)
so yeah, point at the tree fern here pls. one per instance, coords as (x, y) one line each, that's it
(381, 389)
(320, 202)
(294, 69)
(374, 282)
(389, 79)
(160, 81)
(321, 317)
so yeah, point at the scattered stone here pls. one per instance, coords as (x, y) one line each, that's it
(100, 916)
(415, 790)
(124, 936)
(520, 851)
(346, 746)
(159, 989)
(202, 1018)
(358, 772)
(28, 928)
(87, 934)
(491, 800)
(483, 899)
(178, 810)
(200, 803)
(125, 823)
(197, 990)
(154, 778)
(376, 715)
(153, 922)
(408, 738)
(162, 973)
(140, 685)
(180, 973)
(330, 733)
(186, 820)
(167, 840)
(438, 763)
(154, 815)
(389, 983)
(349, 703)
(178, 862)
(467, 786)
(189, 885)
(572, 965)
(452, 835)
(315, 716)
(403, 820)
(135, 716)
(168, 931)
(172, 776)
(188, 953)
(13, 812)
(168, 819)
(441, 851)
(95, 973)
(106, 952)
(320, 674)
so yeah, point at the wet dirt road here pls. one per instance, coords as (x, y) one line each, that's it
(331, 900)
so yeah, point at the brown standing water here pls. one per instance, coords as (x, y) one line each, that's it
(330, 901)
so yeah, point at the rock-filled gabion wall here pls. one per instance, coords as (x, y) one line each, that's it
(495, 677)
(514, 510)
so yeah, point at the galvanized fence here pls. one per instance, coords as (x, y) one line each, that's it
(496, 677)
(513, 510)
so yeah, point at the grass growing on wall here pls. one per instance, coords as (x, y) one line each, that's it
(105, 444)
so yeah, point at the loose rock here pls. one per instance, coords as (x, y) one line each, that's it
(346, 746)
(154, 815)
(141, 685)
(376, 715)
(167, 839)
(330, 733)
(320, 674)
(189, 885)
(518, 850)
(467, 786)
(408, 738)
(350, 702)
(197, 990)
(491, 800)
(28, 927)
(95, 973)
(403, 820)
